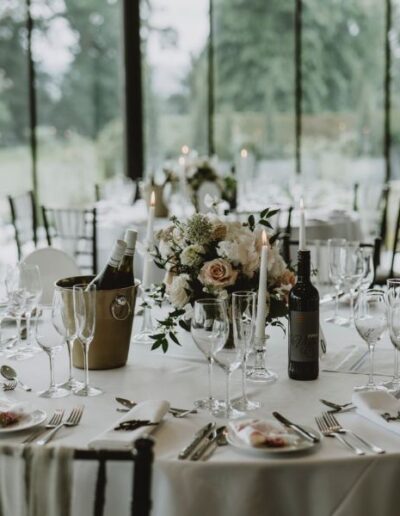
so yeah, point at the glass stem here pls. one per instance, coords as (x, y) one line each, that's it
(371, 382)
(19, 329)
(86, 364)
(396, 367)
(244, 384)
(52, 381)
(227, 397)
(337, 288)
(259, 362)
(69, 346)
(210, 363)
(351, 307)
(28, 328)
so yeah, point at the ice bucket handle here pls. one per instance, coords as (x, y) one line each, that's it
(121, 308)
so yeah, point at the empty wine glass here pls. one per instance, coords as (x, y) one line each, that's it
(369, 272)
(50, 341)
(393, 315)
(209, 327)
(244, 321)
(335, 248)
(16, 308)
(84, 297)
(30, 281)
(370, 321)
(66, 327)
(351, 272)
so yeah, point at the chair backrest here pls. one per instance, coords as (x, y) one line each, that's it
(75, 231)
(142, 475)
(24, 220)
(54, 265)
(395, 244)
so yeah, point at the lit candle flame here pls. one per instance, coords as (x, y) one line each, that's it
(153, 198)
(264, 239)
(185, 149)
(243, 153)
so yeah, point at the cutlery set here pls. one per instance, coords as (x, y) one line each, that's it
(204, 443)
(55, 423)
(176, 412)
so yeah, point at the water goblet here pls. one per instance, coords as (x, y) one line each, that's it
(370, 321)
(393, 314)
(50, 341)
(84, 298)
(66, 327)
(244, 321)
(335, 247)
(209, 326)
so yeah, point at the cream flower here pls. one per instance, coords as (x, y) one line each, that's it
(179, 290)
(191, 255)
(218, 273)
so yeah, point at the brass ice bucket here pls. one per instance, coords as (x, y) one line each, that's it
(114, 320)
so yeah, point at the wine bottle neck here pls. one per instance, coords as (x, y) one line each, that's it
(303, 266)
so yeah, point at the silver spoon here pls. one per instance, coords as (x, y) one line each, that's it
(11, 374)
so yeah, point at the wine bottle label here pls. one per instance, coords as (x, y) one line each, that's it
(117, 253)
(303, 336)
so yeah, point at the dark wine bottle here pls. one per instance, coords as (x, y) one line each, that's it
(109, 277)
(126, 268)
(303, 324)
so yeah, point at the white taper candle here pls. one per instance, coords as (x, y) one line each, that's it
(302, 229)
(262, 289)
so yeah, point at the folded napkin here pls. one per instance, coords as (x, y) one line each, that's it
(259, 433)
(372, 404)
(152, 410)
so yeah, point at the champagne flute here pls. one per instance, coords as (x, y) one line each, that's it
(370, 321)
(335, 247)
(50, 341)
(30, 281)
(209, 325)
(393, 314)
(66, 327)
(16, 307)
(352, 269)
(244, 321)
(84, 297)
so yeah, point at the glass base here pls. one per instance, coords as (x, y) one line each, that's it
(88, 391)
(390, 386)
(144, 337)
(227, 412)
(366, 388)
(72, 384)
(208, 404)
(54, 392)
(338, 320)
(245, 405)
(261, 375)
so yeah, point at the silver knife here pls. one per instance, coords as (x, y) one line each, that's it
(198, 437)
(213, 436)
(297, 428)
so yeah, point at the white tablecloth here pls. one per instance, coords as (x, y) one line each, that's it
(330, 481)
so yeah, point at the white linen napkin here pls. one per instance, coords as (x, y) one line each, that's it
(111, 439)
(259, 433)
(372, 404)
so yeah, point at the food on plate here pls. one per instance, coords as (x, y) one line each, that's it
(9, 417)
(259, 433)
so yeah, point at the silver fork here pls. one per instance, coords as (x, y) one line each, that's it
(55, 420)
(10, 386)
(73, 420)
(335, 426)
(322, 425)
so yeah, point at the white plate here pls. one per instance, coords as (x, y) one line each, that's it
(34, 418)
(301, 446)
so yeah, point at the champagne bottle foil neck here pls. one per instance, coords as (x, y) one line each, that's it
(117, 253)
(130, 239)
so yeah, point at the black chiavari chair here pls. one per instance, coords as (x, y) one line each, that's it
(24, 220)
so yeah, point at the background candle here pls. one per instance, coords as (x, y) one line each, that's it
(262, 289)
(149, 240)
(302, 229)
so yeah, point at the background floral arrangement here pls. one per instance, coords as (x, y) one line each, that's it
(210, 257)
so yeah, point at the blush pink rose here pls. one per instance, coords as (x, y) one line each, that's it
(218, 273)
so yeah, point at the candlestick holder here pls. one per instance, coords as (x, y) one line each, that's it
(147, 328)
(259, 372)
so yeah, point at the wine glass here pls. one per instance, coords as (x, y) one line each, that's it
(50, 341)
(335, 249)
(84, 297)
(209, 326)
(244, 321)
(370, 321)
(393, 315)
(351, 267)
(66, 327)
(369, 272)
(31, 282)
(16, 306)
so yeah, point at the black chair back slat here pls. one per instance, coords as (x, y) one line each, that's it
(24, 220)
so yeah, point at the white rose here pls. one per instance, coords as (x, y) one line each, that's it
(191, 255)
(165, 249)
(178, 290)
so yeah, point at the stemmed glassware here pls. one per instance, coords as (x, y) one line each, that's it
(244, 321)
(210, 329)
(369, 273)
(335, 249)
(66, 327)
(393, 315)
(84, 297)
(352, 268)
(370, 321)
(50, 341)
(30, 281)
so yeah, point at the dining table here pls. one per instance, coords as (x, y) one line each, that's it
(326, 480)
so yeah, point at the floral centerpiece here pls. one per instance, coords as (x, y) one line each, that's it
(206, 256)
